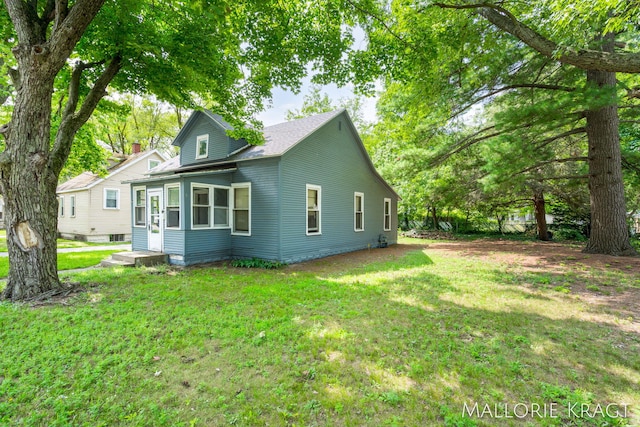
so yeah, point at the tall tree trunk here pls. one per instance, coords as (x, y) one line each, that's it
(541, 215)
(500, 219)
(29, 189)
(609, 231)
(434, 216)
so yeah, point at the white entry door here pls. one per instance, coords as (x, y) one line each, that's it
(154, 203)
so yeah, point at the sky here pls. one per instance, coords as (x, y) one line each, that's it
(284, 101)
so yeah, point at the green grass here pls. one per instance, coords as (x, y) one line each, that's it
(67, 261)
(404, 342)
(62, 243)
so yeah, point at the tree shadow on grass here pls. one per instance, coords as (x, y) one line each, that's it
(414, 340)
(389, 343)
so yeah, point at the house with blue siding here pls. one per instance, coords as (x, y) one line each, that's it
(308, 192)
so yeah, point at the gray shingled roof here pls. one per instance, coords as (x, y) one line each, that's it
(168, 166)
(281, 137)
(278, 140)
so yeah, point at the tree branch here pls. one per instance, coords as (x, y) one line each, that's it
(585, 59)
(61, 12)
(507, 88)
(551, 178)
(68, 30)
(23, 17)
(48, 12)
(471, 140)
(554, 138)
(72, 121)
(381, 22)
(547, 162)
(74, 86)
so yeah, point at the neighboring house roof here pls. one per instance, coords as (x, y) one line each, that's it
(87, 180)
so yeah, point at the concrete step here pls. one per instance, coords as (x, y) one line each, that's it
(110, 262)
(136, 259)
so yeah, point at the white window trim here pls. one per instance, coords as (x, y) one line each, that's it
(72, 206)
(355, 198)
(211, 207)
(166, 210)
(61, 207)
(387, 201)
(306, 211)
(199, 139)
(135, 190)
(104, 199)
(233, 208)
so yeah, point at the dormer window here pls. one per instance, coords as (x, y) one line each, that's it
(202, 147)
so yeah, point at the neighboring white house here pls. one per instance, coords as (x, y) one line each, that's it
(518, 221)
(99, 209)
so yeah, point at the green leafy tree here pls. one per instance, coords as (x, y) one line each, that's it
(136, 119)
(449, 57)
(316, 102)
(65, 55)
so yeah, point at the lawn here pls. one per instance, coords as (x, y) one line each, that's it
(62, 243)
(67, 261)
(415, 335)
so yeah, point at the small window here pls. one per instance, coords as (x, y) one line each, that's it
(111, 198)
(202, 147)
(242, 208)
(61, 206)
(387, 215)
(173, 207)
(72, 202)
(153, 163)
(358, 212)
(140, 207)
(314, 202)
(116, 237)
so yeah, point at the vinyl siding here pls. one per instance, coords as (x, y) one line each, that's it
(139, 239)
(70, 227)
(265, 230)
(331, 159)
(203, 245)
(92, 221)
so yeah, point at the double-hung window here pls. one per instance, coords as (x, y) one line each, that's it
(61, 206)
(140, 207)
(220, 207)
(210, 206)
(387, 215)
(111, 198)
(358, 211)
(172, 209)
(314, 209)
(201, 203)
(242, 208)
(72, 202)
